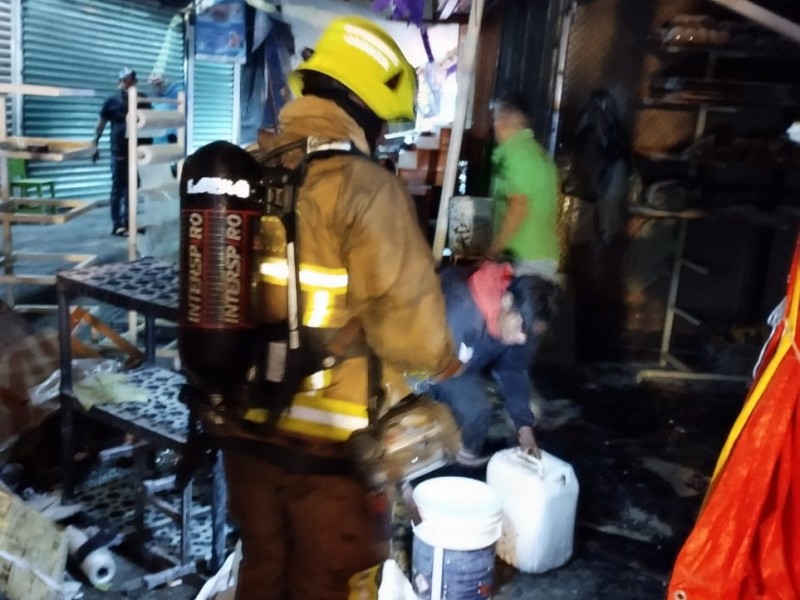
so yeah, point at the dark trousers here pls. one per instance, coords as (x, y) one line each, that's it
(468, 398)
(119, 191)
(303, 536)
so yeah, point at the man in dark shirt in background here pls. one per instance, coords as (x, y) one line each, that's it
(115, 111)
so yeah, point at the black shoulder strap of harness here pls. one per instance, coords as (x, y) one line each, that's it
(198, 442)
(317, 150)
(296, 365)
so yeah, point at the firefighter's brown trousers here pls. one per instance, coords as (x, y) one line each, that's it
(303, 536)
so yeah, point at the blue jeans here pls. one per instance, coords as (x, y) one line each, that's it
(119, 191)
(468, 398)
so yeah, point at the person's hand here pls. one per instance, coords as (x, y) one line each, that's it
(96, 154)
(527, 441)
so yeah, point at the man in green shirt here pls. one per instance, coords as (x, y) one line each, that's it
(525, 190)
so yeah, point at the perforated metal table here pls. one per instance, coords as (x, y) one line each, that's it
(149, 287)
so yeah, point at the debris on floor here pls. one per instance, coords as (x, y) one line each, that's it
(31, 566)
(686, 482)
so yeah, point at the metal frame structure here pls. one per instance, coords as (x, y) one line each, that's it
(9, 214)
(149, 287)
(671, 367)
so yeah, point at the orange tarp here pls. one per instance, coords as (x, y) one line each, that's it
(746, 542)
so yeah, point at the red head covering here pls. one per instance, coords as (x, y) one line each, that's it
(487, 286)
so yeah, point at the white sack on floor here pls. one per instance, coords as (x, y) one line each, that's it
(222, 586)
(394, 585)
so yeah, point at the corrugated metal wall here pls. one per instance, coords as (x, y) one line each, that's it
(83, 44)
(213, 107)
(6, 52)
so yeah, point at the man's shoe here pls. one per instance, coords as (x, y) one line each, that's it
(119, 231)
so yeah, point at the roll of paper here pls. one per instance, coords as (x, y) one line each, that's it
(159, 153)
(98, 566)
(159, 119)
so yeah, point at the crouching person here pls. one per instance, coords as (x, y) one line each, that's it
(497, 319)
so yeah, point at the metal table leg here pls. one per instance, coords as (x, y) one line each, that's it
(219, 512)
(150, 339)
(140, 497)
(66, 399)
(186, 524)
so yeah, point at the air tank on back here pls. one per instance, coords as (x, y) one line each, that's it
(222, 197)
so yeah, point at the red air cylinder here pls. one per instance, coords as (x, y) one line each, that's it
(222, 197)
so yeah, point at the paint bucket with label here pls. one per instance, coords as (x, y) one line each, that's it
(453, 552)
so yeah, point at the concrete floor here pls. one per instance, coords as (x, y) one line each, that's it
(642, 455)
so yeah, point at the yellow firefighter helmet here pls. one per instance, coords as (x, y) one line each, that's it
(364, 58)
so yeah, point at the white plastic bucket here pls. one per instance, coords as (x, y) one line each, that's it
(454, 546)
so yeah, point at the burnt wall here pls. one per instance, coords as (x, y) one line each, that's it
(621, 284)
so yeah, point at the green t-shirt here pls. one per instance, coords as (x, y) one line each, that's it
(521, 167)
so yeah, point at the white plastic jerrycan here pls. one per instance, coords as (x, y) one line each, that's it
(540, 498)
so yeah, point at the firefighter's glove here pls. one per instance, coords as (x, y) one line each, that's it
(527, 441)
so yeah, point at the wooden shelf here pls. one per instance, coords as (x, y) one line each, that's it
(77, 261)
(721, 51)
(55, 150)
(669, 103)
(10, 210)
(644, 211)
(657, 156)
(44, 90)
(58, 150)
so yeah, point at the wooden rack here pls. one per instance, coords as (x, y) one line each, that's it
(27, 148)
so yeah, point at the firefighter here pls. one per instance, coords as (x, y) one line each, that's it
(310, 528)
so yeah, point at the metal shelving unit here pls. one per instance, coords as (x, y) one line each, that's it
(670, 367)
(20, 147)
(149, 287)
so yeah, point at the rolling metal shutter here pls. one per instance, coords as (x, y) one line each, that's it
(213, 104)
(83, 44)
(6, 53)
